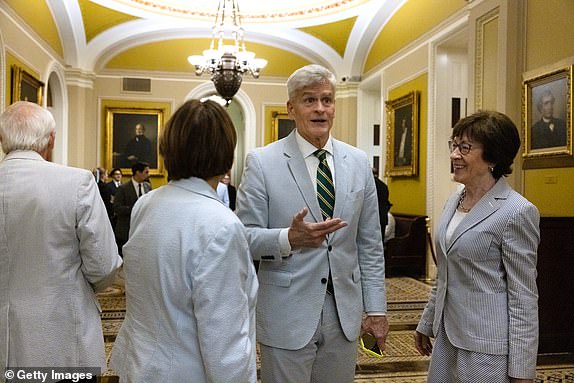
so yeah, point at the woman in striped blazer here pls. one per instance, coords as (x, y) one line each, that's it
(483, 310)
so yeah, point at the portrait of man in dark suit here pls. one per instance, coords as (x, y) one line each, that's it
(548, 131)
(134, 138)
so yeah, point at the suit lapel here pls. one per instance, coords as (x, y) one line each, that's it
(487, 205)
(298, 168)
(342, 174)
(133, 192)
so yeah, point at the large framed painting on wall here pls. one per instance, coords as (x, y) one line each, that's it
(132, 135)
(402, 135)
(25, 87)
(547, 119)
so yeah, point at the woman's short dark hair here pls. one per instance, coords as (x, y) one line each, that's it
(198, 141)
(498, 136)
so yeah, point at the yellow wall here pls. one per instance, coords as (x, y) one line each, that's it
(408, 194)
(549, 39)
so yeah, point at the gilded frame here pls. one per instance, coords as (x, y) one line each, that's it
(25, 87)
(544, 148)
(120, 138)
(282, 125)
(402, 145)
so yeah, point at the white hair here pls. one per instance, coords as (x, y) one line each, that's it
(26, 126)
(307, 76)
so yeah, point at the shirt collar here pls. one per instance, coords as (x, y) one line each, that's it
(135, 183)
(307, 149)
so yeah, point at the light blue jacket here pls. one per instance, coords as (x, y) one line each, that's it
(190, 290)
(57, 249)
(275, 186)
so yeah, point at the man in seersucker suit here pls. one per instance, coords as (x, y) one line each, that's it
(317, 275)
(57, 250)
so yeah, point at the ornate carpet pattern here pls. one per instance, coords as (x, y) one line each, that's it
(401, 364)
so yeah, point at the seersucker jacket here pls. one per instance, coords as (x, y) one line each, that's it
(191, 291)
(57, 249)
(486, 289)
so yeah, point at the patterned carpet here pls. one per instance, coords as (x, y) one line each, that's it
(401, 363)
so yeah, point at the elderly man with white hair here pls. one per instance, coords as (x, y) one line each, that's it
(57, 249)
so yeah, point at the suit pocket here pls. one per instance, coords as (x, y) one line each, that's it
(275, 278)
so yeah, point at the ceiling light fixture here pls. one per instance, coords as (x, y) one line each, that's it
(227, 63)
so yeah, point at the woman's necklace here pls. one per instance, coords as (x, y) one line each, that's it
(460, 205)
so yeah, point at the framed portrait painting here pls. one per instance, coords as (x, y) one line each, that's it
(132, 135)
(547, 119)
(402, 135)
(25, 87)
(282, 126)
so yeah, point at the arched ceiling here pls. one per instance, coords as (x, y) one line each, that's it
(159, 35)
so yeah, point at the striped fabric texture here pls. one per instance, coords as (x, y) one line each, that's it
(325, 187)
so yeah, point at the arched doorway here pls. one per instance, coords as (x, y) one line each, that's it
(242, 114)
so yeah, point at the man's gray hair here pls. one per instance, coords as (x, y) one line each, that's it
(307, 76)
(26, 126)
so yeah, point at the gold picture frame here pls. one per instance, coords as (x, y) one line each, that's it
(402, 135)
(123, 149)
(25, 87)
(282, 125)
(547, 119)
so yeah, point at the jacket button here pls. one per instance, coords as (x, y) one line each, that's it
(330, 248)
(323, 280)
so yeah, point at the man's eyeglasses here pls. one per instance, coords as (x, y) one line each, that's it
(464, 148)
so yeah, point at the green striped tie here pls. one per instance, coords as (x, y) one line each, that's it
(325, 187)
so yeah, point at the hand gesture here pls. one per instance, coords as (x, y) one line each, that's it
(311, 234)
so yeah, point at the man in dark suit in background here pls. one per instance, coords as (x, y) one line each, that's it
(126, 196)
(111, 188)
(231, 191)
(384, 203)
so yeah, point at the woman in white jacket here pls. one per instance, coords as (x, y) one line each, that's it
(190, 282)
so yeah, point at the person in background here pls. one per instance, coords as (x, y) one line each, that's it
(57, 250)
(190, 284)
(231, 190)
(383, 201)
(223, 191)
(126, 196)
(101, 176)
(112, 187)
(483, 312)
(390, 228)
(320, 250)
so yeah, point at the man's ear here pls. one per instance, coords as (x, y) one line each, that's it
(289, 108)
(52, 140)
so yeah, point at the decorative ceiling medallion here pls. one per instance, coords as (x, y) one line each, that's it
(252, 11)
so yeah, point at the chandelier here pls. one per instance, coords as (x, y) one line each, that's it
(227, 63)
